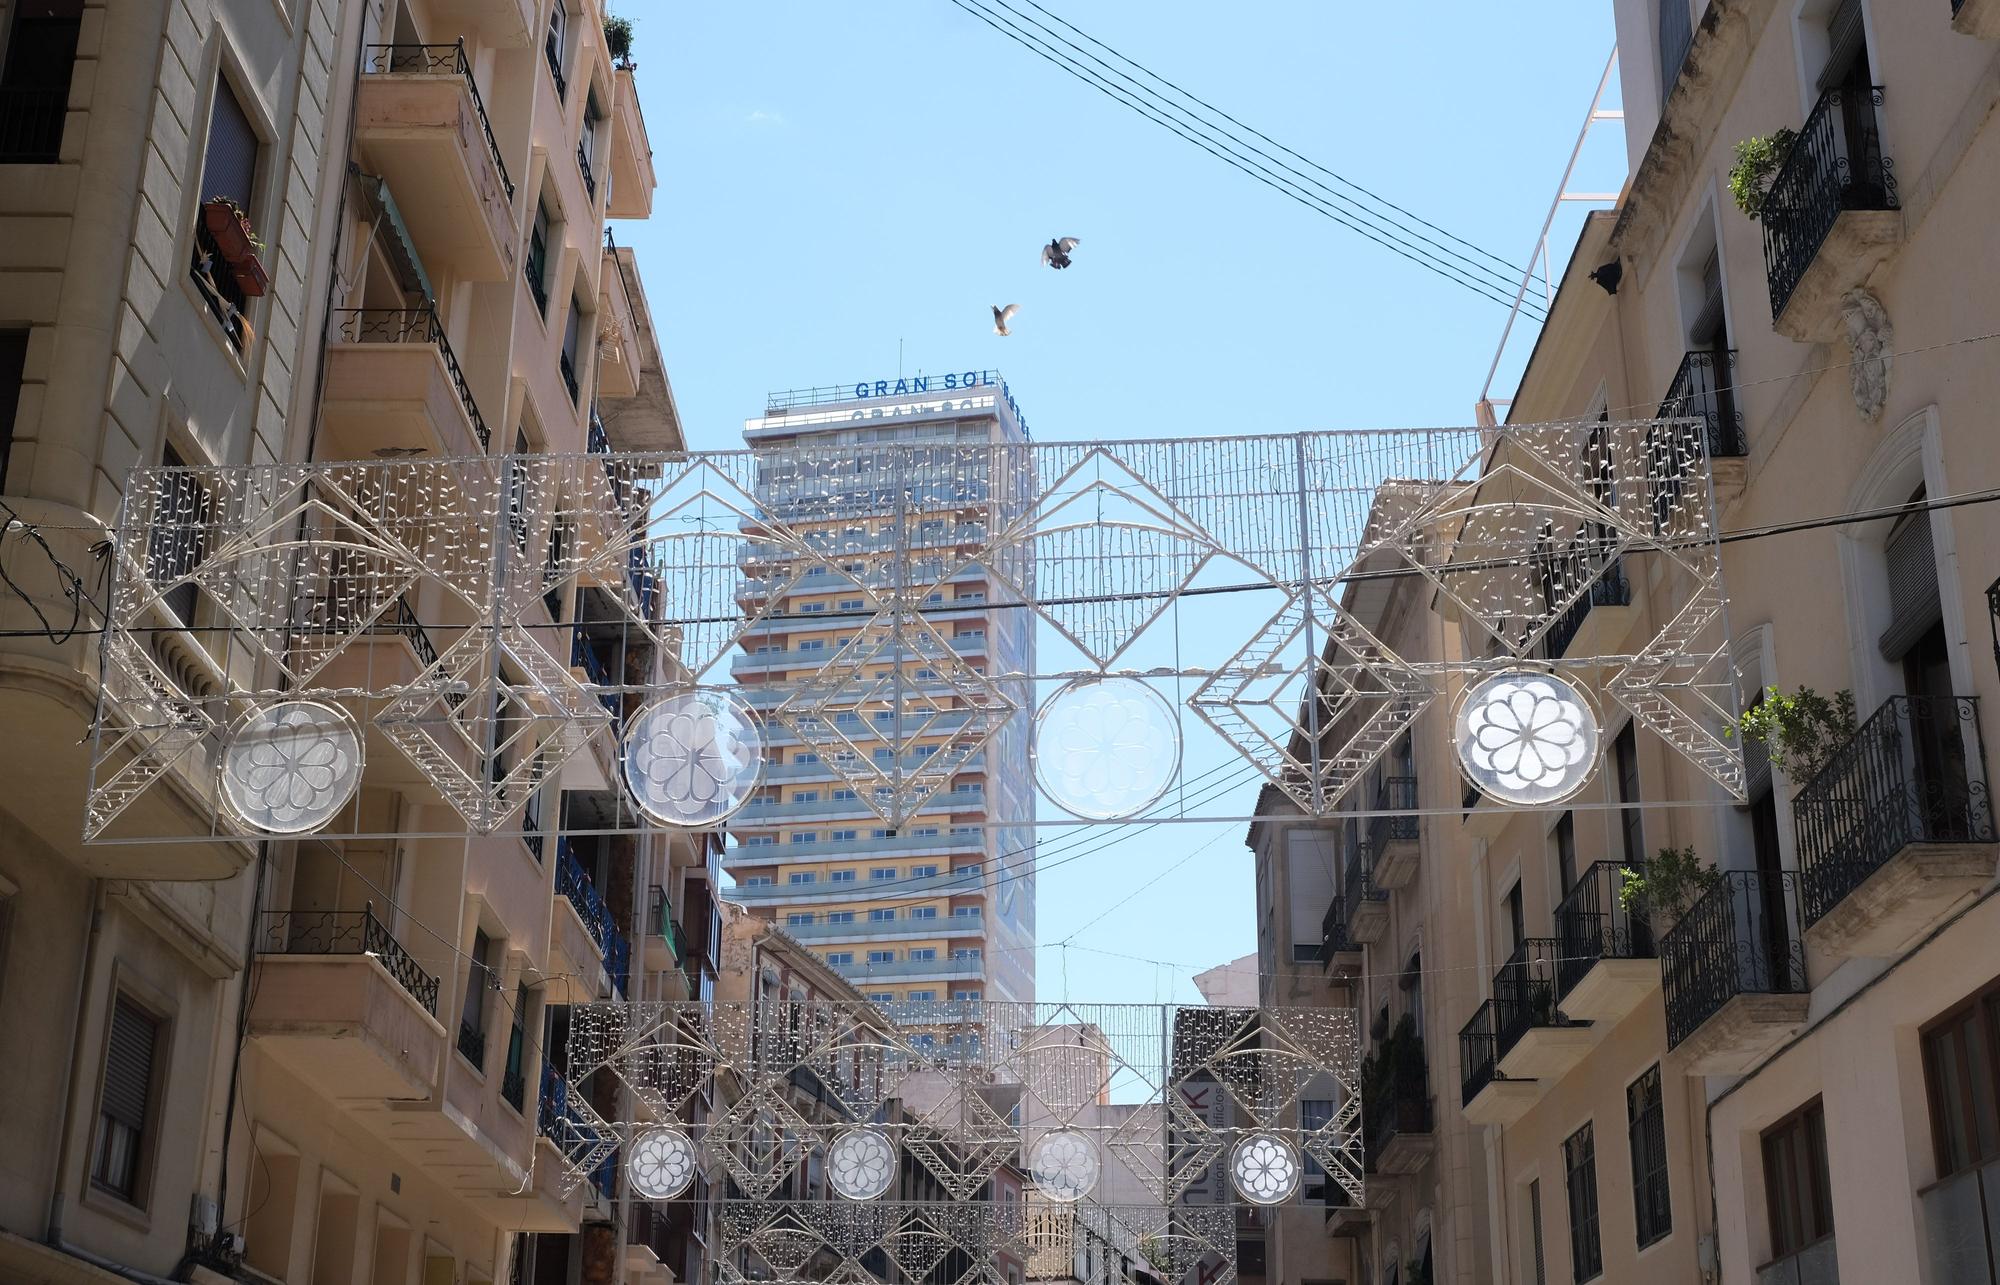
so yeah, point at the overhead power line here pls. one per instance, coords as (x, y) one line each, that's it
(1226, 144)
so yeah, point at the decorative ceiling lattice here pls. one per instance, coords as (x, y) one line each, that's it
(468, 628)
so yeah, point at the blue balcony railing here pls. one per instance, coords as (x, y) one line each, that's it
(573, 883)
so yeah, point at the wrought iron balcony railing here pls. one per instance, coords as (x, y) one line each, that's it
(1478, 1052)
(1402, 1115)
(472, 1044)
(31, 123)
(573, 883)
(1611, 589)
(341, 614)
(439, 60)
(1593, 923)
(1737, 939)
(348, 932)
(568, 368)
(1993, 618)
(1915, 772)
(1836, 164)
(1704, 388)
(514, 1088)
(1524, 993)
(583, 168)
(552, 50)
(563, 1125)
(410, 326)
(584, 656)
(218, 285)
(1397, 794)
(1334, 938)
(535, 268)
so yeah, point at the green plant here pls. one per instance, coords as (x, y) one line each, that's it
(1668, 884)
(618, 39)
(1758, 160)
(1799, 732)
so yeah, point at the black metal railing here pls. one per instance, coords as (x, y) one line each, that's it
(1334, 938)
(1402, 1115)
(660, 920)
(583, 168)
(573, 883)
(440, 60)
(1993, 618)
(1835, 164)
(535, 268)
(410, 326)
(472, 1043)
(1524, 993)
(1704, 388)
(1915, 772)
(218, 285)
(552, 49)
(348, 932)
(339, 613)
(1737, 939)
(1611, 589)
(568, 368)
(1478, 1052)
(514, 1088)
(1397, 794)
(31, 123)
(1593, 923)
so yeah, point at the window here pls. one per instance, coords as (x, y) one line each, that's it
(841, 876)
(840, 916)
(1586, 1252)
(1535, 1231)
(535, 265)
(556, 45)
(1565, 837)
(879, 833)
(812, 606)
(811, 644)
(965, 829)
(845, 836)
(1960, 1075)
(805, 758)
(759, 881)
(923, 912)
(921, 997)
(879, 915)
(566, 360)
(1646, 1129)
(882, 997)
(880, 873)
(512, 1083)
(1625, 755)
(1315, 1113)
(967, 952)
(799, 919)
(802, 838)
(850, 604)
(1797, 1194)
(923, 872)
(760, 840)
(883, 754)
(926, 832)
(125, 1108)
(840, 957)
(923, 954)
(965, 995)
(586, 145)
(34, 86)
(806, 796)
(843, 796)
(798, 877)
(472, 1017)
(881, 956)
(179, 540)
(228, 172)
(965, 912)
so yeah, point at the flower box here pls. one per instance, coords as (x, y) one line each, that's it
(231, 233)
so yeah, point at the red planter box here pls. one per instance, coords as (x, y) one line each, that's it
(234, 243)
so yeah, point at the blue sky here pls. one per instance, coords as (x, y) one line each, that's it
(838, 181)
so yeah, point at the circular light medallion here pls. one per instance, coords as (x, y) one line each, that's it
(1265, 1168)
(290, 768)
(1106, 748)
(1064, 1165)
(693, 758)
(860, 1163)
(662, 1163)
(1526, 738)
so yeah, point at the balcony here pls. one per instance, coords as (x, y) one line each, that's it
(340, 1003)
(1487, 1096)
(1393, 839)
(632, 178)
(1606, 961)
(1816, 1264)
(917, 845)
(583, 168)
(1830, 216)
(1340, 953)
(581, 894)
(564, 1127)
(1958, 1213)
(1597, 619)
(421, 126)
(618, 361)
(863, 974)
(1897, 828)
(392, 381)
(862, 928)
(1344, 1218)
(1979, 18)
(663, 947)
(1367, 906)
(1400, 1138)
(1533, 1038)
(1733, 973)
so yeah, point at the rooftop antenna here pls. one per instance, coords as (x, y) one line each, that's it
(899, 356)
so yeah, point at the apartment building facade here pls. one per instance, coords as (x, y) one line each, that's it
(939, 910)
(320, 231)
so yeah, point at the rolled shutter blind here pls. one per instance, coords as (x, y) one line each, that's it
(128, 1066)
(1913, 586)
(1844, 40)
(230, 166)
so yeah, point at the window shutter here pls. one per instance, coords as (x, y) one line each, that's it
(1914, 605)
(231, 164)
(128, 1066)
(1844, 40)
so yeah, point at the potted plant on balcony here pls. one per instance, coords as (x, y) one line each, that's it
(228, 224)
(1664, 888)
(618, 42)
(1800, 733)
(1758, 160)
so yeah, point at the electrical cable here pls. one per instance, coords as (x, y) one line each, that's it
(1318, 205)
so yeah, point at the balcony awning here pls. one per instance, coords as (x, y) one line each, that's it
(397, 244)
(1914, 603)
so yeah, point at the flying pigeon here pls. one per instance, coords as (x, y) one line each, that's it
(1056, 252)
(1001, 316)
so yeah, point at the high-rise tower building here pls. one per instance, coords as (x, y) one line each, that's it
(941, 908)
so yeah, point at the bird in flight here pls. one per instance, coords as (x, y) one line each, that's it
(1056, 252)
(1001, 316)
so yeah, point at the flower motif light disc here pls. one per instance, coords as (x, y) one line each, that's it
(1106, 748)
(662, 1163)
(861, 1163)
(692, 758)
(1527, 738)
(1064, 1165)
(290, 768)
(1265, 1169)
